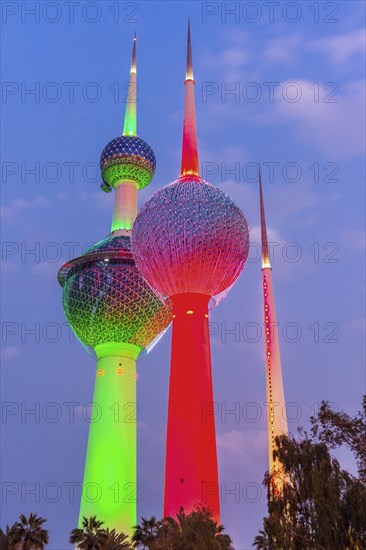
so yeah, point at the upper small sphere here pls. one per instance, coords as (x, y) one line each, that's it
(127, 158)
(190, 237)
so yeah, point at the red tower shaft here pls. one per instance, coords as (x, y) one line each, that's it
(191, 476)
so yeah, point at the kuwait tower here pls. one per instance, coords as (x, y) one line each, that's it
(111, 309)
(277, 421)
(190, 242)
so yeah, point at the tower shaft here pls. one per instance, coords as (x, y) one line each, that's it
(125, 206)
(109, 488)
(191, 476)
(277, 419)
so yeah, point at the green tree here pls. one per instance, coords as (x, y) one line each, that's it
(338, 428)
(116, 541)
(4, 540)
(91, 536)
(146, 533)
(194, 531)
(321, 506)
(26, 534)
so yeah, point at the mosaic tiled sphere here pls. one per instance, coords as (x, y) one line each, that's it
(106, 300)
(127, 158)
(190, 237)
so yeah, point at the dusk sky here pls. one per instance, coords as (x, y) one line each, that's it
(280, 83)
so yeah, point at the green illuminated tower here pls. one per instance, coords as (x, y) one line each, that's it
(112, 310)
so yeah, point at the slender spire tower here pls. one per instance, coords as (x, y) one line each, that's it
(190, 242)
(277, 420)
(114, 163)
(110, 308)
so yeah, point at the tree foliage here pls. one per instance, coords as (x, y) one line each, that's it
(26, 534)
(92, 536)
(338, 428)
(321, 506)
(194, 531)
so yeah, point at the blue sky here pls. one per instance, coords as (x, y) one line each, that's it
(311, 152)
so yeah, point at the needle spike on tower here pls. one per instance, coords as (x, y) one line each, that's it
(189, 68)
(189, 166)
(265, 254)
(130, 123)
(277, 420)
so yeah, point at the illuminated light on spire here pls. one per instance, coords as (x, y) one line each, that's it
(133, 62)
(277, 419)
(189, 166)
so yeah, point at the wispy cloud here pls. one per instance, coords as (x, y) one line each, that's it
(337, 128)
(17, 207)
(238, 446)
(342, 47)
(283, 48)
(9, 352)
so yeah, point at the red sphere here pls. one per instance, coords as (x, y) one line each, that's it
(190, 237)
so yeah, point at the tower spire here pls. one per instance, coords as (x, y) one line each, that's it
(127, 163)
(189, 68)
(189, 165)
(130, 124)
(277, 418)
(265, 254)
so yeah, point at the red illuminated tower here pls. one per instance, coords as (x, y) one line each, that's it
(190, 242)
(277, 420)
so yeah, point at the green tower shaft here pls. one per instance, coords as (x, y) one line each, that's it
(109, 487)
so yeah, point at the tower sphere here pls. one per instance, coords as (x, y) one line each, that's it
(127, 158)
(106, 299)
(190, 237)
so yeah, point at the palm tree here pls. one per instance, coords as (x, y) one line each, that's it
(4, 541)
(146, 534)
(91, 536)
(195, 531)
(116, 541)
(27, 534)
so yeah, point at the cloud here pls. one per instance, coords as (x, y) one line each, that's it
(342, 47)
(10, 352)
(283, 48)
(231, 59)
(353, 238)
(336, 128)
(358, 325)
(48, 270)
(17, 207)
(239, 446)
